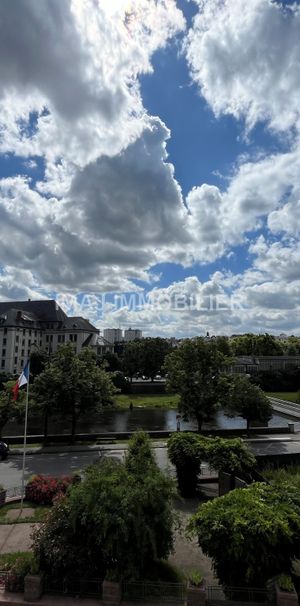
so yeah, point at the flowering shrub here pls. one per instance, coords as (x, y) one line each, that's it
(44, 489)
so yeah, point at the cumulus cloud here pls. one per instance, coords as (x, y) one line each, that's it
(244, 56)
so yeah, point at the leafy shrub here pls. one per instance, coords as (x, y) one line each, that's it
(186, 451)
(285, 583)
(44, 489)
(230, 455)
(251, 534)
(195, 578)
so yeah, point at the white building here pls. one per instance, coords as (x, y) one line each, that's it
(132, 333)
(113, 335)
(26, 326)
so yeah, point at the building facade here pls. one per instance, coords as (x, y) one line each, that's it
(113, 335)
(27, 326)
(131, 334)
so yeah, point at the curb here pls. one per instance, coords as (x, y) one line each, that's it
(66, 449)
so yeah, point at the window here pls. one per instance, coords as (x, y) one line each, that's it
(73, 338)
(47, 338)
(23, 341)
(16, 361)
(35, 333)
(24, 331)
(23, 352)
(3, 353)
(2, 363)
(16, 349)
(51, 338)
(40, 343)
(29, 343)
(17, 339)
(5, 331)
(22, 363)
(30, 333)
(4, 341)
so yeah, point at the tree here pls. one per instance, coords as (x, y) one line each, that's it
(252, 534)
(10, 409)
(247, 400)
(132, 359)
(193, 372)
(230, 455)
(115, 523)
(256, 345)
(73, 385)
(112, 362)
(153, 352)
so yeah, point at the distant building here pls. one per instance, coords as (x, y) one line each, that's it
(131, 334)
(27, 326)
(254, 364)
(103, 346)
(113, 335)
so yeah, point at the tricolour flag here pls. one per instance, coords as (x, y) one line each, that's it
(22, 380)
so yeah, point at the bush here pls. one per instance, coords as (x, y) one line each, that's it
(285, 583)
(230, 455)
(43, 490)
(251, 534)
(186, 451)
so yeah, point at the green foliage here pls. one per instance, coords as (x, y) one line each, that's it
(256, 345)
(285, 583)
(73, 385)
(145, 357)
(187, 450)
(193, 372)
(283, 475)
(251, 534)
(11, 410)
(246, 400)
(117, 521)
(230, 455)
(132, 358)
(19, 563)
(195, 578)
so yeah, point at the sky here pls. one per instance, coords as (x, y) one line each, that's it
(150, 162)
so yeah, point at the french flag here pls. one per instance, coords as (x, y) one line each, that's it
(22, 380)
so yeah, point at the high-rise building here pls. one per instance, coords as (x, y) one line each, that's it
(113, 335)
(27, 326)
(132, 333)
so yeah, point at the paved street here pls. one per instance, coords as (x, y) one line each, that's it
(57, 464)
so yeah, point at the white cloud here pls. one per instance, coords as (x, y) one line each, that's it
(244, 56)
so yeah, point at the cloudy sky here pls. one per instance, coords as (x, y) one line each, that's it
(150, 162)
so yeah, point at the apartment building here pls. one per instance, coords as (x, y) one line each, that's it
(26, 326)
(131, 334)
(113, 335)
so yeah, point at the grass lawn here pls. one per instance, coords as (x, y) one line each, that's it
(291, 396)
(281, 475)
(39, 512)
(147, 401)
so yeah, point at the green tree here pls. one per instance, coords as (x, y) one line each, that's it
(187, 451)
(116, 522)
(193, 372)
(251, 534)
(132, 360)
(153, 352)
(256, 345)
(72, 385)
(246, 400)
(230, 455)
(11, 410)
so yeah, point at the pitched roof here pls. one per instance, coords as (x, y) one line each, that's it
(46, 310)
(79, 323)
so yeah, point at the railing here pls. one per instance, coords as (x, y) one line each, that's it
(236, 594)
(160, 592)
(87, 588)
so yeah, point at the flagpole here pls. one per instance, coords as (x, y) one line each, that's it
(25, 440)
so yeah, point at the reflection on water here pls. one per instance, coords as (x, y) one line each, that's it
(130, 420)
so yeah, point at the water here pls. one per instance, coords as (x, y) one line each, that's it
(131, 420)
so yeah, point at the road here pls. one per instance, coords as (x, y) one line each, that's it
(64, 463)
(58, 464)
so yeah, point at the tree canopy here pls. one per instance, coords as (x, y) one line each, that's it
(193, 372)
(115, 523)
(246, 400)
(10, 409)
(73, 385)
(251, 534)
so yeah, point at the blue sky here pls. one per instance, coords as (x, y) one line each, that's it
(165, 164)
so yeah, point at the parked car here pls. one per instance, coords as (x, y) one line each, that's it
(4, 450)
